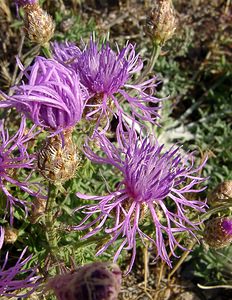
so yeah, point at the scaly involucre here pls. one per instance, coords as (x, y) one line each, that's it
(13, 157)
(10, 285)
(53, 97)
(151, 176)
(107, 74)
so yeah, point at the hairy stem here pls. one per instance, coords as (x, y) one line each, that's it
(49, 219)
(150, 66)
(46, 50)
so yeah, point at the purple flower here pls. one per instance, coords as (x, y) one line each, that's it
(10, 284)
(155, 182)
(218, 232)
(25, 2)
(107, 75)
(13, 157)
(52, 98)
(227, 226)
(2, 234)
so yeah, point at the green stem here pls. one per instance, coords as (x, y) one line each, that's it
(46, 50)
(49, 218)
(150, 66)
(87, 242)
(215, 210)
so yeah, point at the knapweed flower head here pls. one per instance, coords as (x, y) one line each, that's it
(218, 232)
(11, 285)
(152, 179)
(162, 22)
(98, 281)
(222, 193)
(107, 75)
(58, 158)
(38, 24)
(52, 98)
(13, 157)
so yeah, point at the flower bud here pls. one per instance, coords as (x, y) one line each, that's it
(218, 232)
(98, 281)
(39, 25)
(161, 23)
(221, 193)
(57, 159)
(11, 235)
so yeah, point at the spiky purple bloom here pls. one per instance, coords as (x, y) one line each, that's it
(107, 75)
(52, 98)
(151, 176)
(13, 157)
(10, 285)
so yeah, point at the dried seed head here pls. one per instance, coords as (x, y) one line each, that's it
(221, 193)
(161, 23)
(11, 235)
(58, 158)
(39, 24)
(218, 232)
(99, 281)
(38, 209)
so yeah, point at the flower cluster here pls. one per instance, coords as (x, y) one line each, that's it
(56, 93)
(14, 157)
(10, 285)
(151, 176)
(97, 83)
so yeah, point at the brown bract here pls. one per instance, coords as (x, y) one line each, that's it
(222, 193)
(11, 235)
(39, 25)
(161, 23)
(215, 235)
(58, 159)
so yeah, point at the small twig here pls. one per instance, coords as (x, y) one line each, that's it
(146, 270)
(160, 274)
(181, 260)
(117, 21)
(214, 286)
